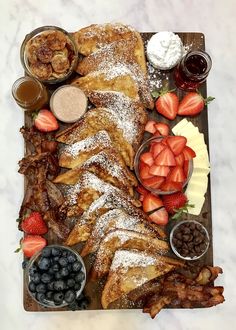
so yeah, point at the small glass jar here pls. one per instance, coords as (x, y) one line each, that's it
(192, 70)
(29, 93)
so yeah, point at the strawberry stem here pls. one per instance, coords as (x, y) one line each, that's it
(206, 100)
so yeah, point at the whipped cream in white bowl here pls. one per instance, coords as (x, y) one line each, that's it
(164, 50)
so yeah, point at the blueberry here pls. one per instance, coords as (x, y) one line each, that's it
(64, 272)
(64, 254)
(50, 286)
(72, 275)
(51, 271)
(36, 278)
(56, 267)
(58, 276)
(76, 266)
(74, 306)
(63, 261)
(40, 296)
(33, 269)
(79, 277)
(83, 303)
(59, 285)
(58, 298)
(70, 282)
(55, 259)
(71, 258)
(69, 267)
(41, 288)
(46, 278)
(77, 286)
(49, 295)
(46, 252)
(55, 252)
(24, 264)
(44, 263)
(32, 286)
(70, 296)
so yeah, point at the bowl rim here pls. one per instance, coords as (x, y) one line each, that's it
(34, 258)
(136, 169)
(173, 247)
(33, 34)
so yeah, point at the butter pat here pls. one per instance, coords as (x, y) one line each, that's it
(164, 50)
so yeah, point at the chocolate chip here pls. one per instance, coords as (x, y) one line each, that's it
(185, 238)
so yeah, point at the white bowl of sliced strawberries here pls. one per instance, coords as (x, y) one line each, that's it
(163, 164)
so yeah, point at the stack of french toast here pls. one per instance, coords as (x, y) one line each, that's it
(98, 155)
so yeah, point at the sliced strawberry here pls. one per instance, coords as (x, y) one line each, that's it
(186, 167)
(176, 175)
(167, 104)
(147, 158)
(32, 244)
(151, 202)
(157, 148)
(144, 171)
(141, 190)
(160, 217)
(150, 126)
(188, 153)
(180, 159)
(45, 121)
(176, 144)
(157, 134)
(193, 103)
(159, 170)
(162, 128)
(171, 186)
(154, 182)
(165, 158)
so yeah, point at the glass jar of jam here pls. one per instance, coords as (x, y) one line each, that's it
(192, 70)
(29, 93)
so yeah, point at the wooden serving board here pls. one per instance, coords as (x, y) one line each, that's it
(93, 290)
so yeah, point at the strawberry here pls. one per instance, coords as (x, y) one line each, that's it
(176, 204)
(144, 171)
(176, 144)
(154, 182)
(192, 104)
(188, 153)
(176, 175)
(160, 217)
(186, 167)
(34, 224)
(167, 103)
(141, 198)
(150, 127)
(156, 148)
(45, 121)
(141, 190)
(162, 128)
(180, 159)
(165, 158)
(159, 170)
(171, 186)
(147, 158)
(32, 244)
(151, 203)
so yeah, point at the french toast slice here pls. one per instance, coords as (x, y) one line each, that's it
(131, 269)
(108, 201)
(123, 239)
(91, 123)
(118, 57)
(76, 154)
(96, 36)
(107, 166)
(128, 114)
(109, 80)
(115, 219)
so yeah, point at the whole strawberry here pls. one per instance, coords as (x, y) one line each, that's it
(176, 204)
(34, 224)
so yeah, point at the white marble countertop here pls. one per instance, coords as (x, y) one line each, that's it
(216, 19)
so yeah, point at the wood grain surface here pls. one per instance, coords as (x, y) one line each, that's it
(93, 290)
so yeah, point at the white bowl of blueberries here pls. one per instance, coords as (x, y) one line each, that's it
(56, 278)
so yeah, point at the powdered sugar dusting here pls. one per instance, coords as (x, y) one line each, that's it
(127, 259)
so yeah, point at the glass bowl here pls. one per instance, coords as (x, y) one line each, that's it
(145, 148)
(69, 51)
(49, 303)
(204, 230)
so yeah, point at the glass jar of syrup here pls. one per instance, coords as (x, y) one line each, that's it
(192, 70)
(29, 93)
